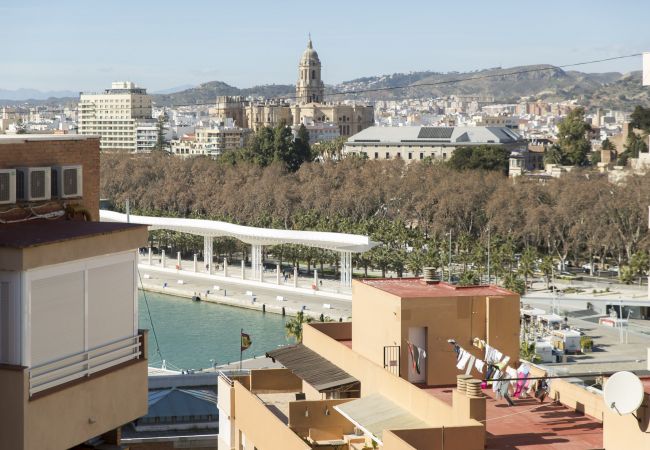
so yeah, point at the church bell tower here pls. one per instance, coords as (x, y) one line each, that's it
(310, 87)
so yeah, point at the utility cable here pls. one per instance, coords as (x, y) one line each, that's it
(435, 83)
(153, 327)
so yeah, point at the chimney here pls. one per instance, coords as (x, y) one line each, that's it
(429, 275)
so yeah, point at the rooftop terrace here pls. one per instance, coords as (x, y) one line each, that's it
(418, 288)
(531, 425)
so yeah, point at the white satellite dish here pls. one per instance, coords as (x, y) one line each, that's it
(623, 393)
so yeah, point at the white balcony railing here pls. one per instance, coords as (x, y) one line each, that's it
(70, 368)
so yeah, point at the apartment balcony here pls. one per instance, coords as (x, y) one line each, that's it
(69, 401)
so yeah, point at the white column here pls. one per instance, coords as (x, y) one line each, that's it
(206, 257)
(316, 278)
(225, 267)
(346, 269)
(295, 277)
(196, 258)
(150, 255)
(178, 260)
(277, 274)
(254, 262)
(243, 270)
(162, 258)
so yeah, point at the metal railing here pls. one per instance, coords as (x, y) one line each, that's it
(391, 359)
(70, 368)
(228, 375)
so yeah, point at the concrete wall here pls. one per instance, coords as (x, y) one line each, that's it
(261, 428)
(443, 438)
(383, 319)
(578, 398)
(274, 380)
(69, 415)
(375, 379)
(58, 152)
(332, 424)
(625, 432)
(377, 318)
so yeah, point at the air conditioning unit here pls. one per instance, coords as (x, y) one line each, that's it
(67, 181)
(7, 186)
(33, 184)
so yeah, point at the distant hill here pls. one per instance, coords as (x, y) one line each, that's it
(545, 82)
(208, 92)
(33, 94)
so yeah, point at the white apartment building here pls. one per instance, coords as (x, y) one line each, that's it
(114, 115)
(211, 141)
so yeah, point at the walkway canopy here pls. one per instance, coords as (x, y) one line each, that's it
(340, 242)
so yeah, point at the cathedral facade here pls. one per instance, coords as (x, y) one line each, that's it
(309, 105)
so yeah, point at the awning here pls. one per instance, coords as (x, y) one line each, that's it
(309, 366)
(375, 413)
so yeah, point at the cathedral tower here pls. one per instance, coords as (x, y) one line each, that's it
(310, 87)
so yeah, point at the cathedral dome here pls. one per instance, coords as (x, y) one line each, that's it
(309, 55)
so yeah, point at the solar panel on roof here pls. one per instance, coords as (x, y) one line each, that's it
(435, 132)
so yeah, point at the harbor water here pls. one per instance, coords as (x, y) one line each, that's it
(193, 335)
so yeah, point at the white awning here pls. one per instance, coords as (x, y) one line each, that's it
(342, 242)
(375, 413)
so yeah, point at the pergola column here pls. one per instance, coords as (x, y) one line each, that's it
(295, 276)
(316, 278)
(346, 269)
(207, 252)
(178, 260)
(256, 261)
(277, 274)
(150, 255)
(243, 269)
(196, 257)
(225, 267)
(162, 258)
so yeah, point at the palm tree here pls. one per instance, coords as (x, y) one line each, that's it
(293, 327)
(546, 267)
(527, 265)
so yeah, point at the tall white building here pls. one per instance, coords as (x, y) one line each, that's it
(115, 115)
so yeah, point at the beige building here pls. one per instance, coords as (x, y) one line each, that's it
(414, 143)
(73, 363)
(348, 385)
(309, 104)
(115, 115)
(211, 141)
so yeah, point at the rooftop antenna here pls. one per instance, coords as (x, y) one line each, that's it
(623, 393)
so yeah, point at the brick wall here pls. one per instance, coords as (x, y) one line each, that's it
(55, 152)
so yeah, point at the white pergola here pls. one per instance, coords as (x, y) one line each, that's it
(343, 243)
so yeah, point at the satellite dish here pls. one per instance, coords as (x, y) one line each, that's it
(623, 393)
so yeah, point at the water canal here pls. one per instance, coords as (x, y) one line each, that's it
(191, 334)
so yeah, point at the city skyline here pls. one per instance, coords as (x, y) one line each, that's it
(87, 48)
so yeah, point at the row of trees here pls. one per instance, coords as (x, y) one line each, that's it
(411, 209)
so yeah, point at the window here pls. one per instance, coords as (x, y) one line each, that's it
(376, 155)
(421, 155)
(387, 155)
(399, 155)
(444, 156)
(313, 74)
(410, 155)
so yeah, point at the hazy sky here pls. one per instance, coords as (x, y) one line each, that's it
(84, 45)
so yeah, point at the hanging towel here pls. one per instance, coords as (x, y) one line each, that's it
(497, 355)
(479, 365)
(464, 357)
(512, 373)
(470, 364)
(422, 354)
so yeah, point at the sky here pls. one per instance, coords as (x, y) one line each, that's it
(84, 45)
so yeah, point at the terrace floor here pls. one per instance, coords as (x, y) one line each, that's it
(531, 425)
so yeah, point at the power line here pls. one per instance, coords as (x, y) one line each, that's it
(431, 84)
(153, 328)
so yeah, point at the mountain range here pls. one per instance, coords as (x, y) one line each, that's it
(611, 90)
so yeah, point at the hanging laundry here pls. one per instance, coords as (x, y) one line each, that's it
(411, 353)
(462, 361)
(422, 354)
(480, 365)
(470, 364)
(520, 383)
